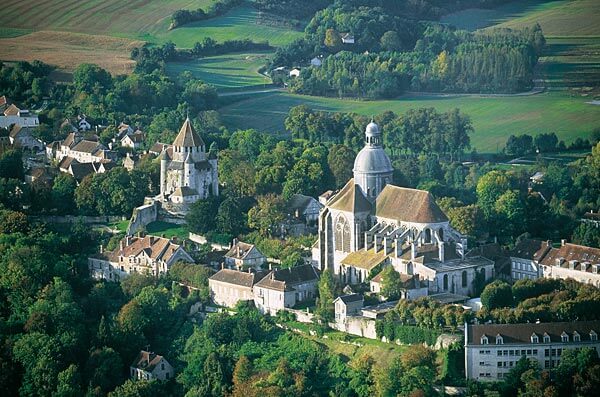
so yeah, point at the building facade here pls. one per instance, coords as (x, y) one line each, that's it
(492, 350)
(285, 288)
(147, 255)
(149, 366)
(370, 223)
(243, 255)
(228, 287)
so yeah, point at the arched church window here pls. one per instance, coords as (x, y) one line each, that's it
(464, 278)
(342, 235)
(427, 236)
(445, 282)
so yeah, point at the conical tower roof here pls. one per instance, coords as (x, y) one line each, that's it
(187, 137)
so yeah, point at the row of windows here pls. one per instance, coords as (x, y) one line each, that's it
(522, 352)
(522, 276)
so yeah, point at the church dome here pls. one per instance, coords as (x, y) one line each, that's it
(372, 159)
(372, 130)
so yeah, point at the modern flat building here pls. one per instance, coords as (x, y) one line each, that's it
(491, 350)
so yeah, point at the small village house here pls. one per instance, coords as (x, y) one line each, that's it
(347, 305)
(243, 255)
(150, 366)
(228, 287)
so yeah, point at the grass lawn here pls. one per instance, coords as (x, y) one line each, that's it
(382, 353)
(168, 229)
(225, 71)
(120, 226)
(494, 118)
(239, 23)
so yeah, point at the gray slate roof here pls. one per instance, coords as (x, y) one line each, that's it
(243, 279)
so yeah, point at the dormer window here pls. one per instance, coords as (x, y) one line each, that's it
(593, 335)
(576, 337)
(535, 338)
(484, 340)
(564, 337)
(546, 338)
(499, 340)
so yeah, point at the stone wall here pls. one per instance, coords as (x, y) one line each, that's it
(141, 217)
(357, 325)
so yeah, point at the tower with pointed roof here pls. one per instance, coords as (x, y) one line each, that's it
(187, 172)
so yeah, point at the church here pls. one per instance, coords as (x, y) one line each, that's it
(187, 172)
(371, 223)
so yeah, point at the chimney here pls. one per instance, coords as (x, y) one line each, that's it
(270, 266)
(235, 241)
(121, 245)
(127, 240)
(101, 249)
(249, 270)
(563, 242)
(174, 239)
(222, 265)
(413, 251)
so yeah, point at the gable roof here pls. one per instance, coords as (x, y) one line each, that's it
(243, 279)
(81, 170)
(158, 248)
(408, 205)
(531, 249)
(18, 129)
(187, 137)
(285, 279)
(350, 199)
(147, 361)
(184, 191)
(573, 252)
(12, 110)
(240, 250)
(87, 146)
(521, 333)
(298, 202)
(350, 298)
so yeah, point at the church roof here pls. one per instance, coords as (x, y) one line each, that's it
(408, 205)
(185, 191)
(350, 199)
(187, 137)
(365, 259)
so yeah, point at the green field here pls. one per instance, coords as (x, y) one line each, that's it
(494, 118)
(138, 19)
(225, 71)
(239, 23)
(6, 33)
(159, 228)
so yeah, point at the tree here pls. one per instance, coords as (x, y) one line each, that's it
(497, 294)
(467, 219)
(230, 217)
(341, 161)
(513, 381)
(63, 193)
(201, 215)
(13, 222)
(587, 234)
(88, 77)
(131, 388)
(489, 188)
(391, 285)
(266, 215)
(510, 210)
(391, 41)
(11, 164)
(69, 383)
(362, 380)
(325, 309)
(418, 356)
(332, 40)
(104, 369)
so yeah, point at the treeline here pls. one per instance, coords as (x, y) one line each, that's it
(522, 145)
(220, 7)
(545, 300)
(291, 8)
(418, 131)
(397, 54)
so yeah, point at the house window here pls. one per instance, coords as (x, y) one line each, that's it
(162, 366)
(464, 278)
(535, 339)
(593, 335)
(445, 282)
(576, 337)
(499, 340)
(564, 337)
(484, 340)
(546, 338)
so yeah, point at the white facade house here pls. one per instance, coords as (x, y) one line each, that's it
(492, 350)
(524, 259)
(285, 288)
(371, 223)
(228, 287)
(411, 287)
(20, 117)
(23, 137)
(134, 140)
(346, 306)
(243, 255)
(347, 38)
(149, 366)
(147, 255)
(295, 72)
